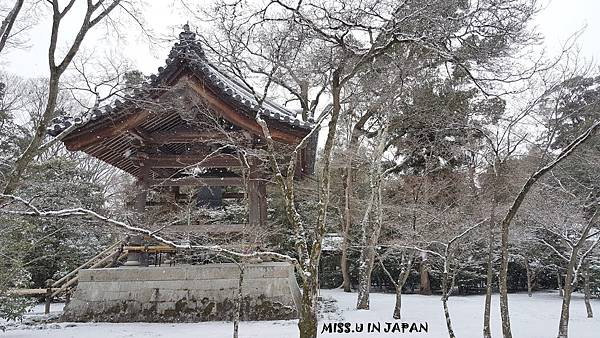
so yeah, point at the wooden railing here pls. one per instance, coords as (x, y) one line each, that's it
(65, 284)
(205, 228)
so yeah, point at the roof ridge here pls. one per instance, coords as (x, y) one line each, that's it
(187, 50)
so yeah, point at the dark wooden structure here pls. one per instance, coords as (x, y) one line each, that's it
(190, 125)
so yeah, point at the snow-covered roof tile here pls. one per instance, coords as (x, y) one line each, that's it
(188, 52)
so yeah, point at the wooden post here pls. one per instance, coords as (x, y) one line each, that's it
(174, 193)
(257, 202)
(257, 197)
(48, 299)
(262, 202)
(253, 203)
(142, 184)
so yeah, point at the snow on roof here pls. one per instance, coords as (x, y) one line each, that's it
(188, 53)
(332, 242)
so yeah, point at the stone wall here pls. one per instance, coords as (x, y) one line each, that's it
(186, 293)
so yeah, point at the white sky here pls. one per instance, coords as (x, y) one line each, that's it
(562, 18)
(557, 22)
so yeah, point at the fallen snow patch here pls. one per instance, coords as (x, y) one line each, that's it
(535, 317)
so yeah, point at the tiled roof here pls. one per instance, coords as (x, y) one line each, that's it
(188, 53)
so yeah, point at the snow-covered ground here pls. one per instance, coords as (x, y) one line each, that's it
(535, 317)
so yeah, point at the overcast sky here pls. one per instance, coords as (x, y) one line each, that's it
(559, 20)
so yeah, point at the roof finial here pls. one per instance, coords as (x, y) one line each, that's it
(187, 35)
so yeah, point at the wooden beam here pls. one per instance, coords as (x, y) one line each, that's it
(75, 279)
(198, 181)
(150, 249)
(206, 228)
(89, 262)
(233, 195)
(189, 136)
(182, 161)
(85, 137)
(29, 292)
(235, 117)
(182, 200)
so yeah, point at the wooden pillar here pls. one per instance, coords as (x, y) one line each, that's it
(299, 164)
(253, 203)
(257, 202)
(48, 298)
(173, 197)
(142, 185)
(262, 202)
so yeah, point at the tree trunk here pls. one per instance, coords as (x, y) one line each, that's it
(512, 211)
(529, 278)
(447, 315)
(14, 177)
(445, 304)
(238, 303)
(559, 280)
(586, 292)
(8, 22)
(448, 322)
(506, 331)
(346, 283)
(398, 306)
(352, 148)
(571, 277)
(370, 233)
(563, 326)
(398, 285)
(425, 285)
(364, 278)
(33, 149)
(307, 323)
(487, 332)
(308, 311)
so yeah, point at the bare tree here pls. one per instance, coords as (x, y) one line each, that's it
(544, 104)
(501, 141)
(450, 266)
(95, 12)
(8, 23)
(371, 224)
(348, 58)
(568, 232)
(512, 211)
(406, 262)
(579, 249)
(586, 291)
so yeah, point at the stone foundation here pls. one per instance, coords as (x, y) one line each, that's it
(187, 293)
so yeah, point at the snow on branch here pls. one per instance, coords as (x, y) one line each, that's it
(543, 241)
(34, 211)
